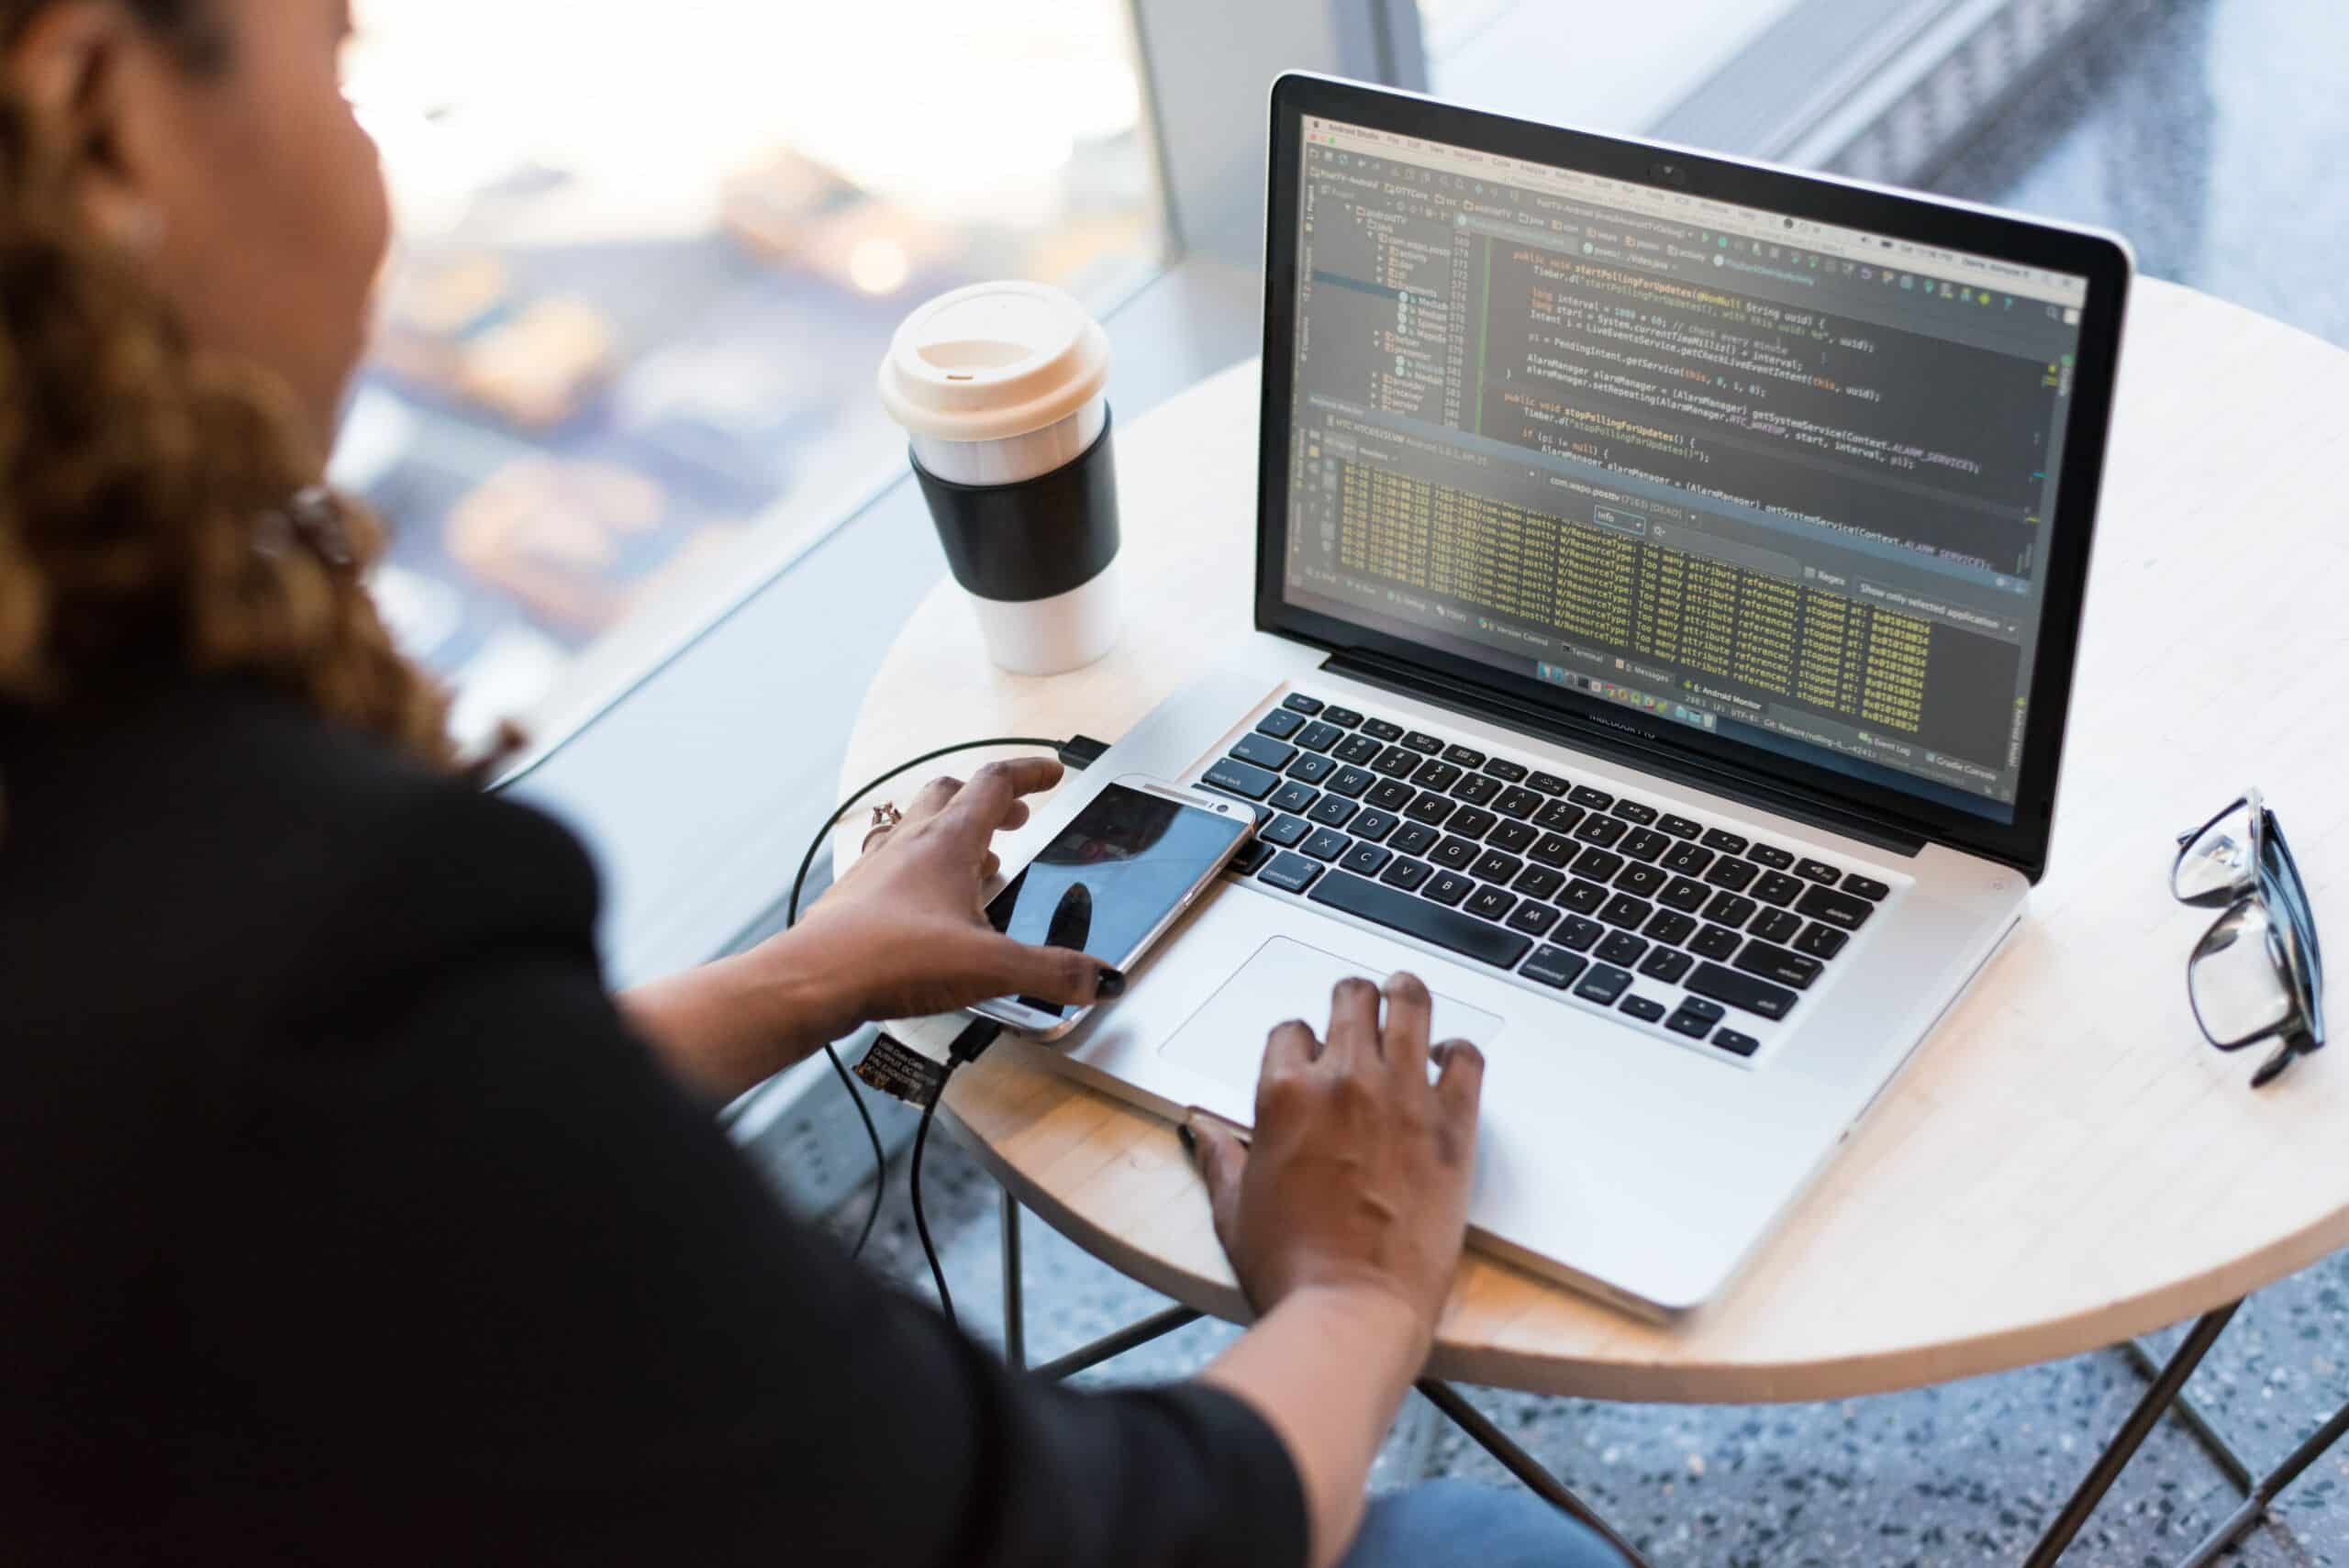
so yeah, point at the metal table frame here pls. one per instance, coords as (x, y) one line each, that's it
(2164, 1395)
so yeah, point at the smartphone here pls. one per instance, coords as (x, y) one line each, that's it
(1112, 882)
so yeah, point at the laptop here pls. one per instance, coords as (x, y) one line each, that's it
(1670, 571)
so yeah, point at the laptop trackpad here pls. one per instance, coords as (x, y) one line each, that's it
(1285, 979)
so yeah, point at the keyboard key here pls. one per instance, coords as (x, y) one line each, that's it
(1771, 855)
(1580, 933)
(1311, 768)
(1391, 794)
(1242, 779)
(1819, 872)
(1412, 839)
(1736, 1043)
(1726, 842)
(1554, 967)
(1472, 822)
(1777, 887)
(1646, 881)
(1294, 796)
(1350, 783)
(1491, 904)
(1671, 926)
(1373, 825)
(1601, 830)
(1320, 737)
(1742, 991)
(1622, 947)
(1646, 1010)
(1290, 872)
(1627, 911)
(1679, 826)
(1603, 984)
(1598, 865)
(1252, 856)
(1558, 816)
(1534, 918)
(1327, 844)
(1447, 928)
(1715, 941)
(1666, 965)
(1476, 789)
(1515, 838)
(1464, 756)
(1505, 771)
(1689, 860)
(1450, 887)
(1833, 908)
(1643, 844)
(1332, 811)
(1730, 909)
(1297, 702)
(1286, 832)
(1734, 875)
(1684, 895)
(1859, 887)
(1421, 741)
(1539, 881)
(1583, 897)
(1776, 926)
(1554, 849)
(1455, 853)
(1406, 874)
(1633, 811)
(1591, 799)
(1494, 866)
(1280, 724)
(1363, 859)
(1821, 941)
(1379, 729)
(1358, 749)
(1431, 809)
(1397, 763)
(1517, 801)
(1548, 784)
(1773, 962)
(1343, 717)
(1698, 1007)
(1688, 1023)
(1436, 775)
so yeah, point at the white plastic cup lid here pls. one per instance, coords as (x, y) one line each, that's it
(994, 361)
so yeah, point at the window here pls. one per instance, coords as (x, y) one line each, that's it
(648, 262)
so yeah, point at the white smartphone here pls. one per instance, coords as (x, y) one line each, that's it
(1111, 883)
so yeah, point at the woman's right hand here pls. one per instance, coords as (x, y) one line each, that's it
(1358, 1172)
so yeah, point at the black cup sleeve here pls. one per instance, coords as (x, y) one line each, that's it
(1016, 543)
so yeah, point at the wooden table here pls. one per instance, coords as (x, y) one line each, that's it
(2067, 1163)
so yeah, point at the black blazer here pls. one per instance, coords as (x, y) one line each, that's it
(345, 1222)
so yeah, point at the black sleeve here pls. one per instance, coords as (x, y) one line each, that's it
(476, 1276)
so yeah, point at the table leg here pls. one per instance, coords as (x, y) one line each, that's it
(1523, 1465)
(2189, 1416)
(1156, 1325)
(2132, 1436)
(1015, 1304)
(2268, 1489)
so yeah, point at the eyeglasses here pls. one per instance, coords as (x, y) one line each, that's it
(2257, 973)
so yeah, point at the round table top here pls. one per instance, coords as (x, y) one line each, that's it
(2066, 1162)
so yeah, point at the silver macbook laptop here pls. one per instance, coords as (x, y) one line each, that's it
(1669, 575)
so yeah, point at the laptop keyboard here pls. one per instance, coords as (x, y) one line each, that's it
(1671, 921)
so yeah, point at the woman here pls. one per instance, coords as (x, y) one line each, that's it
(353, 1221)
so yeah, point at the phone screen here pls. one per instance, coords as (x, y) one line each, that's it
(1117, 869)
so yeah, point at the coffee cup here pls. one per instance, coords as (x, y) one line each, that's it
(1002, 390)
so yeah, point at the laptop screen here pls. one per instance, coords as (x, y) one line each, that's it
(1779, 480)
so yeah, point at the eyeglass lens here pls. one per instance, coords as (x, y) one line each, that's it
(2218, 860)
(2237, 977)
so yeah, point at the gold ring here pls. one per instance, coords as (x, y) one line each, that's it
(885, 816)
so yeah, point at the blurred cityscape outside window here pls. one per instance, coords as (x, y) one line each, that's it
(649, 260)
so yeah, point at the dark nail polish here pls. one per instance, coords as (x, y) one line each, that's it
(1112, 983)
(1190, 1141)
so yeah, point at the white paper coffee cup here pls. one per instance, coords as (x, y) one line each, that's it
(1002, 391)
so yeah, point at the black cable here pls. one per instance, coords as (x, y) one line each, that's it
(969, 1046)
(1077, 753)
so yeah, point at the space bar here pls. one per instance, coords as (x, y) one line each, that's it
(1464, 934)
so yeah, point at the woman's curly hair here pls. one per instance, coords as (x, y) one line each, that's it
(149, 515)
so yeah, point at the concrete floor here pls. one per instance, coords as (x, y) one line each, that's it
(2212, 132)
